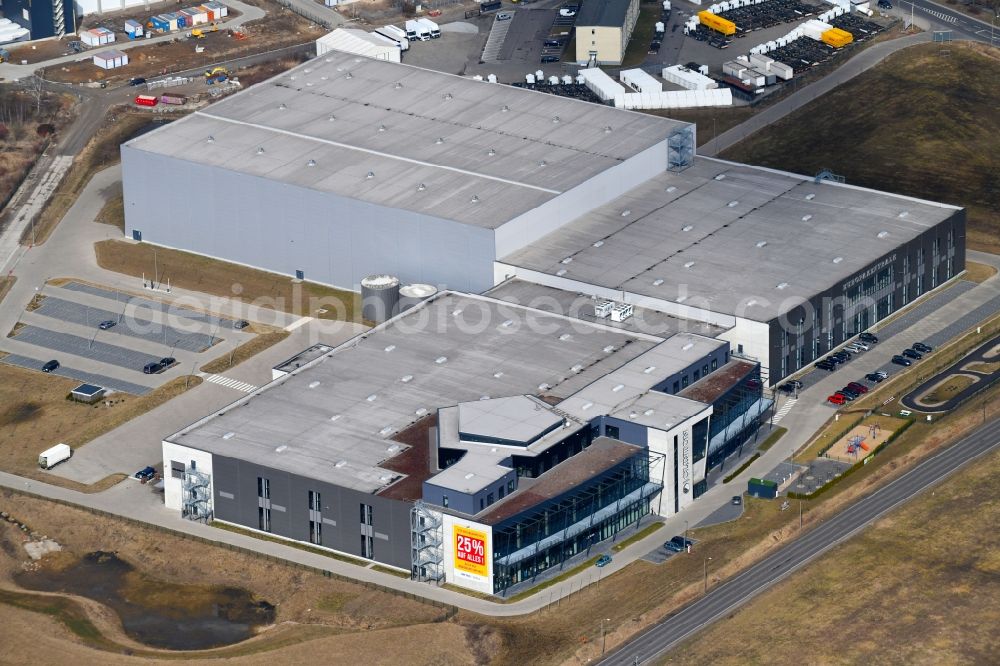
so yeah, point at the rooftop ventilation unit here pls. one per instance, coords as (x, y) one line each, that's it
(421, 412)
(474, 199)
(543, 163)
(733, 204)
(348, 76)
(587, 405)
(904, 213)
(505, 109)
(621, 311)
(721, 176)
(543, 387)
(567, 260)
(398, 85)
(313, 385)
(657, 282)
(421, 187)
(282, 106)
(648, 412)
(607, 129)
(837, 260)
(671, 189)
(602, 309)
(260, 150)
(406, 379)
(331, 118)
(626, 212)
(555, 120)
(385, 431)
(508, 323)
(782, 285)
(617, 388)
(229, 435)
(491, 152)
(448, 96)
(372, 398)
(441, 359)
(381, 128)
(438, 141)
(498, 374)
(577, 368)
(335, 417)
(565, 336)
(340, 463)
(681, 299)
(687, 346)
(687, 227)
(761, 243)
(456, 312)
(609, 349)
(649, 370)
(752, 301)
(806, 218)
(810, 196)
(688, 264)
(210, 139)
(311, 163)
(369, 175)
(883, 234)
(281, 449)
(561, 272)
(599, 243)
(389, 348)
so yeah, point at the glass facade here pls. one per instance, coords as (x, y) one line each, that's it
(552, 532)
(730, 424)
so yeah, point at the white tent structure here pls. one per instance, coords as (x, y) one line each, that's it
(359, 42)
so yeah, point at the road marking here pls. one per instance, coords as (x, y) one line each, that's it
(301, 321)
(947, 18)
(785, 408)
(231, 383)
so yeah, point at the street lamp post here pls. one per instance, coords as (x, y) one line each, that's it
(706, 574)
(604, 635)
(685, 534)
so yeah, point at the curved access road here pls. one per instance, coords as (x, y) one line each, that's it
(726, 597)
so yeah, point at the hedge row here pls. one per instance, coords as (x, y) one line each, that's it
(742, 467)
(850, 470)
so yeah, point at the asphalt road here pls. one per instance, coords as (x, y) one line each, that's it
(729, 595)
(944, 18)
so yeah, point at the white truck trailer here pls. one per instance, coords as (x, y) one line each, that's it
(432, 28)
(49, 458)
(417, 30)
(397, 35)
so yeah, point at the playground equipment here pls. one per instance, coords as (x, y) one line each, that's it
(856, 442)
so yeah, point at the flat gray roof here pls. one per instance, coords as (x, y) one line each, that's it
(581, 306)
(607, 13)
(459, 138)
(732, 239)
(335, 418)
(518, 418)
(625, 393)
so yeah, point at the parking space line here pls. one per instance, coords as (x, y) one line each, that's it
(785, 408)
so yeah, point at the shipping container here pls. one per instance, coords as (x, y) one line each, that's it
(145, 100)
(173, 99)
(393, 33)
(837, 38)
(717, 23)
(49, 458)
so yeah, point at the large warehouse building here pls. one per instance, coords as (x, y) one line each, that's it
(471, 441)
(347, 166)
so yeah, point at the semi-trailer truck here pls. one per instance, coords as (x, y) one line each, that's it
(49, 458)
(417, 30)
(397, 35)
(432, 28)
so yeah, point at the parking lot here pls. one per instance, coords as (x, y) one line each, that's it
(115, 340)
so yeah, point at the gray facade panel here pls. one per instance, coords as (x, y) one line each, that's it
(290, 514)
(282, 228)
(827, 320)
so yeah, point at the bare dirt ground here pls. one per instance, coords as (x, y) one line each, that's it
(840, 449)
(279, 29)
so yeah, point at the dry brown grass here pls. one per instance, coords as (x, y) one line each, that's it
(99, 153)
(947, 389)
(976, 272)
(6, 284)
(930, 591)
(314, 612)
(987, 368)
(113, 211)
(35, 414)
(252, 347)
(212, 276)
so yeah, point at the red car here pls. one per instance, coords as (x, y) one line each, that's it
(837, 399)
(857, 388)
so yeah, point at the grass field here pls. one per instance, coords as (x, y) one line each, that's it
(976, 272)
(212, 276)
(259, 343)
(919, 124)
(642, 35)
(35, 414)
(947, 389)
(920, 586)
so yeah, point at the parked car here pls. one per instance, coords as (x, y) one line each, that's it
(857, 387)
(842, 356)
(912, 353)
(874, 377)
(553, 43)
(901, 360)
(504, 16)
(136, 81)
(240, 324)
(923, 348)
(152, 368)
(51, 366)
(550, 58)
(848, 393)
(737, 500)
(853, 348)
(145, 474)
(106, 324)
(827, 365)
(870, 338)
(836, 399)
(862, 344)
(567, 12)
(603, 560)
(787, 387)
(167, 361)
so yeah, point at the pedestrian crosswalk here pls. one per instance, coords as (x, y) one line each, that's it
(785, 408)
(947, 18)
(231, 383)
